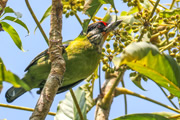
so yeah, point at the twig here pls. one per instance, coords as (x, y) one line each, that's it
(23, 108)
(98, 18)
(167, 97)
(37, 22)
(100, 78)
(152, 2)
(78, 18)
(172, 4)
(76, 104)
(167, 46)
(138, 5)
(154, 8)
(125, 99)
(141, 36)
(120, 91)
(152, 12)
(159, 33)
(175, 117)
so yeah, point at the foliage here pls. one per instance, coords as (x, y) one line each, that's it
(144, 116)
(9, 29)
(146, 59)
(147, 42)
(67, 110)
(8, 76)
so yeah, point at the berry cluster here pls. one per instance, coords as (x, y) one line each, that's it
(70, 7)
(132, 2)
(163, 31)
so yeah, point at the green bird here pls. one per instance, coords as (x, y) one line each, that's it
(82, 56)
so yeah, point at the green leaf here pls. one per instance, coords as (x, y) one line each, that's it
(14, 35)
(146, 59)
(124, 13)
(132, 10)
(85, 25)
(126, 19)
(8, 10)
(17, 21)
(142, 116)
(46, 14)
(166, 114)
(67, 109)
(136, 79)
(8, 76)
(87, 88)
(116, 61)
(146, 4)
(107, 18)
(168, 13)
(18, 14)
(91, 7)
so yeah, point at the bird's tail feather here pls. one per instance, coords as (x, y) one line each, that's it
(14, 93)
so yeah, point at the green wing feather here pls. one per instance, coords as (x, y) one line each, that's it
(44, 56)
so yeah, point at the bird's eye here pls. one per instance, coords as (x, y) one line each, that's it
(99, 26)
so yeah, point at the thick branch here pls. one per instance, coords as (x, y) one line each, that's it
(2, 5)
(104, 103)
(57, 64)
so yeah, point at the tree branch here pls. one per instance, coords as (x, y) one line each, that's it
(172, 4)
(120, 91)
(76, 104)
(167, 96)
(104, 102)
(2, 5)
(36, 21)
(125, 99)
(54, 79)
(23, 108)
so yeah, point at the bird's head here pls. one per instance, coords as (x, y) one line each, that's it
(97, 32)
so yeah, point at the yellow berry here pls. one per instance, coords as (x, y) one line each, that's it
(171, 34)
(105, 8)
(103, 49)
(67, 15)
(115, 44)
(104, 67)
(105, 59)
(72, 13)
(116, 11)
(107, 45)
(108, 50)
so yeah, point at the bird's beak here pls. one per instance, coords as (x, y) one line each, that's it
(112, 26)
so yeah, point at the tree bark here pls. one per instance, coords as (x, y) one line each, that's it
(2, 5)
(103, 107)
(55, 77)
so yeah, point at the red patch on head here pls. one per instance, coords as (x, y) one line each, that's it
(103, 23)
